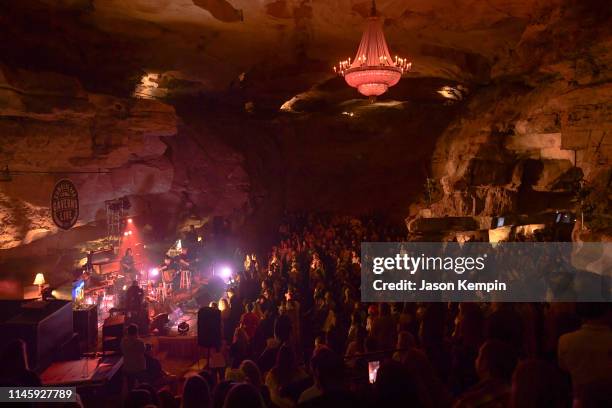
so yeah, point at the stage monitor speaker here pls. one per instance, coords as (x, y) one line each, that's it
(113, 326)
(86, 325)
(209, 327)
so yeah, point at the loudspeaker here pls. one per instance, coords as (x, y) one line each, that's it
(86, 325)
(113, 326)
(209, 327)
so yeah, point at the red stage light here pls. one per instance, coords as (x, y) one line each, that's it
(130, 220)
(125, 234)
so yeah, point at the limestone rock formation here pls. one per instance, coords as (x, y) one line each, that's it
(535, 142)
(125, 147)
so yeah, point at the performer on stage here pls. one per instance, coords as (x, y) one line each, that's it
(168, 271)
(134, 297)
(128, 267)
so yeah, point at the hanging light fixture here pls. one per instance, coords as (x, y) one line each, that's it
(373, 70)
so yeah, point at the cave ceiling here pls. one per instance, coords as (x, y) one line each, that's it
(279, 48)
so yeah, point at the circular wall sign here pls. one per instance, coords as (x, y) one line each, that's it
(65, 204)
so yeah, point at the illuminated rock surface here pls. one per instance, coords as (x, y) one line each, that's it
(179, 103)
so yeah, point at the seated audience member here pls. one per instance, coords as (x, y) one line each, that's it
(504, 324)
(327, 369)
(238, 351)
(154, 397)
(209, 377)
(167, 399)
(220, 392)
(383, 328)
(537, 383)
(252, 375)
(594, 395)
(14, 370)
(560, 318)
(586, 354)
(467, 339)
(356, 348)
(282, 334)
(137, 398)
(432, 391)
(284, 372)
(405, 343)
(395, 386)
(196, 393)
(494, 365)
(432, 337)
(243, 395)
(134, 360)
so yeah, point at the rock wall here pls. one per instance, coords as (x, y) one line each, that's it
(539, 135)
(110, 147)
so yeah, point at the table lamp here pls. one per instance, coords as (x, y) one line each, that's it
(40, 281)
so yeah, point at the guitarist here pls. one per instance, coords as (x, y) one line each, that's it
(168, 271)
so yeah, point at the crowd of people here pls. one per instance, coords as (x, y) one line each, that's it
(296, 334)
(299, 335)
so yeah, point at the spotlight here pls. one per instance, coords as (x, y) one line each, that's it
(183, 328)
(129, 232)
(160, 324)
(225, 272)
(130, 220)
(154, 272)
(125, 234)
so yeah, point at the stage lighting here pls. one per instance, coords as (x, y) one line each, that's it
(125, 234)
(154, 272)
(160, 324)
(129, 232)
(225, 272)
(183, 328)
(130, 220)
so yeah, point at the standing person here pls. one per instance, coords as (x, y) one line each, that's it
(128, 267)
(226, 327)
(249, 321)
(168, 271)
(134, 360)
(236, 309)
(284, 372)
(586, 354)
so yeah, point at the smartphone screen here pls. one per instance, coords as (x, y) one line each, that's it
(372, 370)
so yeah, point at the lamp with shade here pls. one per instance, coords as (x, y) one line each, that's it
(40, 281)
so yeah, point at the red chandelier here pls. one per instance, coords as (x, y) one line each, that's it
(373, 70)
